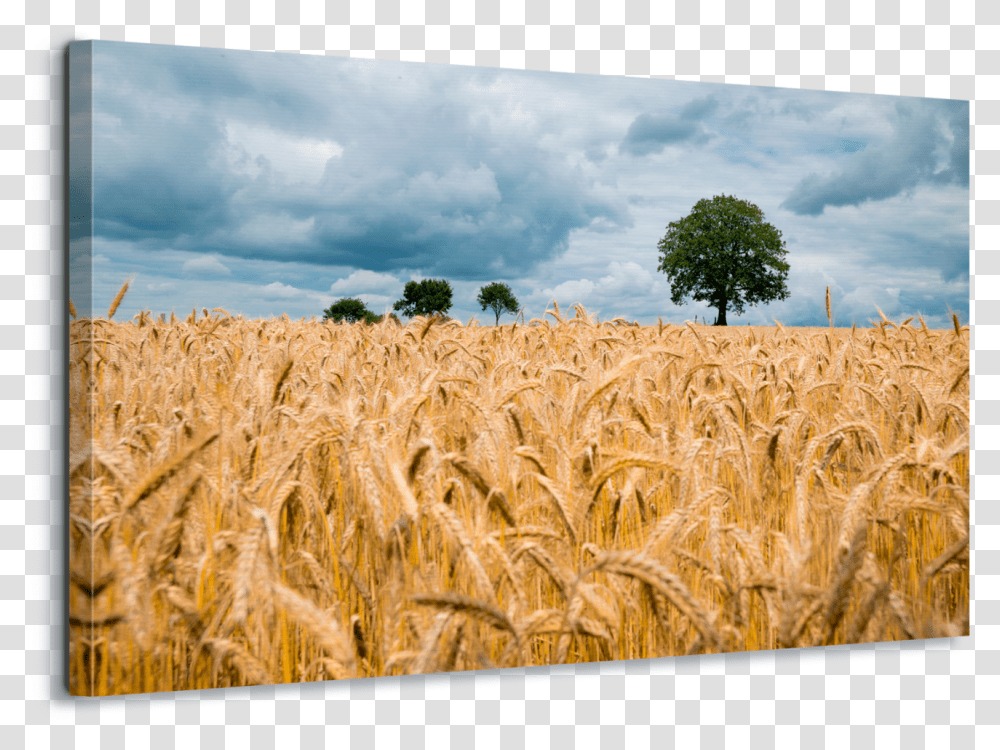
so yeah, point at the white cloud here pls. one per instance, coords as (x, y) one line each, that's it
(205, 265)
(271, 230)
(378, 303)
(363, 281)
(571, 292)
(627, 278)
(276, 290)
(298, 159)
(627, 289)
(377, 290)
(862, 301)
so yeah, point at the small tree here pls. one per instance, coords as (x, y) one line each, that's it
(350, 309)
(499, 298)
(725, 254)
(427, 297)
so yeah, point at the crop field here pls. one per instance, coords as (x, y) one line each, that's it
(264, 501)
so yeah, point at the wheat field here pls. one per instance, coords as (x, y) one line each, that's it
(265, 501)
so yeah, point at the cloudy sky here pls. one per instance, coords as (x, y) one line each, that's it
(269, 183)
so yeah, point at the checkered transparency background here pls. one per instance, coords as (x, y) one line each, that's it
(927, 694)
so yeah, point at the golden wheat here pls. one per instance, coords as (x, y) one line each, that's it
(274, 501)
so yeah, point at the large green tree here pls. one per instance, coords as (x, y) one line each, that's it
(427, 297)
(499, 298)
(725, 254)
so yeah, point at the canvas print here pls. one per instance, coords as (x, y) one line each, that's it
(382, 368)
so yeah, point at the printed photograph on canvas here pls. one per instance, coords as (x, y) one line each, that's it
(381, 368)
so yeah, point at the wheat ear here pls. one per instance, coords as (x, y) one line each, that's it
(118, 299)
(636, 565)
(252, 670)
(323, 628)
(838, 595)
(475, 608)
(164, 472)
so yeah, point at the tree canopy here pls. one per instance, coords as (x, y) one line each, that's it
(725, 254)
(499, 298)
(427, 297)
(350, 309)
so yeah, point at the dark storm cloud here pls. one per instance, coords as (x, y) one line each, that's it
(504, 208)
(912, 155)
(650, 133)
(434, 169)
(944, 248)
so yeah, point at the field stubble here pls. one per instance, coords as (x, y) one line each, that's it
(263, 501)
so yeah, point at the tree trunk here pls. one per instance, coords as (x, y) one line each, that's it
(721, 319)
